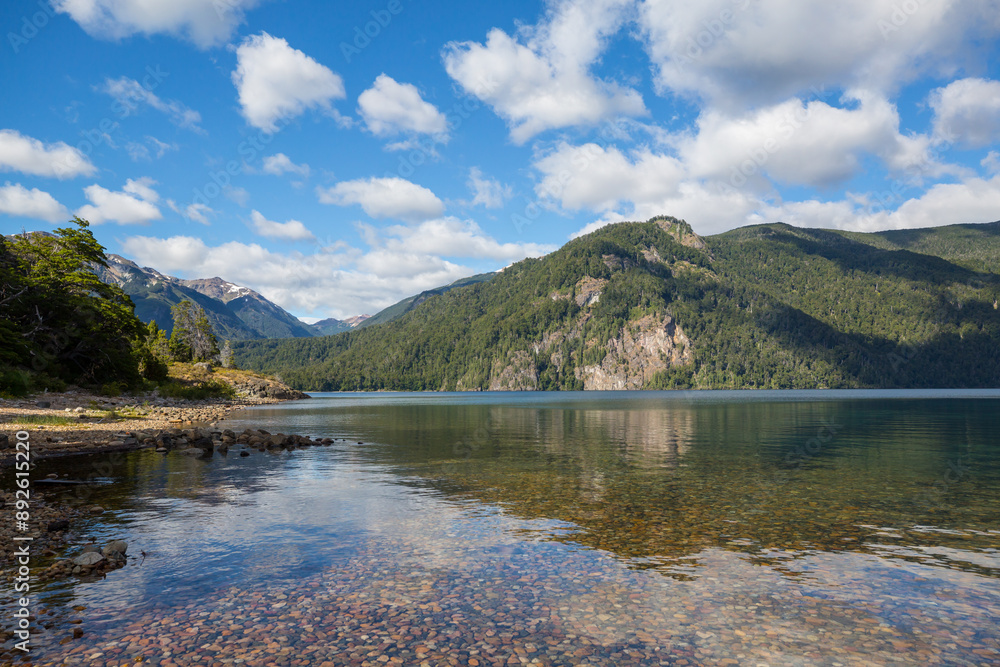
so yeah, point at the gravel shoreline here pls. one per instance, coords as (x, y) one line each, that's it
(78, 422)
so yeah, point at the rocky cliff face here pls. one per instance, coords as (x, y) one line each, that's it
(681, 231)
(517, 373)
(644, 348)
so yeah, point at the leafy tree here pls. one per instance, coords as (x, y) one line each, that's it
(13, 286)
(57, 319)
(159, 343)
(192, 338)
(153, 353)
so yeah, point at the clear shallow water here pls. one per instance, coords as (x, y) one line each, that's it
(779, 528)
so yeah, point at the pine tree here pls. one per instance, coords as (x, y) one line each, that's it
(180, 337)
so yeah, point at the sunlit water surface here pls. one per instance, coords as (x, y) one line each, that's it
(776, 528)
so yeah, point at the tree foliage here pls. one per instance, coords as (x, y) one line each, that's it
(58, 321)
(153, 353)
(192, 338)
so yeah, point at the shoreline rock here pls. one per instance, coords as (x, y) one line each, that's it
(107, 425)
(89, 562)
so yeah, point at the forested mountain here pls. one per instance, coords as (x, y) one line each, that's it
(973, 246)
(235, 312)
(652, 305)
(399, 309)
(330, 326)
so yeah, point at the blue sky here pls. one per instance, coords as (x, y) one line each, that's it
(337, 157)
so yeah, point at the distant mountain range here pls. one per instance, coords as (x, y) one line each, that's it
(651, 305)
(236, 312)
(331, 325)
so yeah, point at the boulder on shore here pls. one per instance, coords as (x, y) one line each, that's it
(88, 559)
(121, 546)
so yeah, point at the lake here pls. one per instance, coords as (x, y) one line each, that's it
(643, 528)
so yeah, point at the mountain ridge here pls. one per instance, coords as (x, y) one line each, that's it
(235, 312)
(404, 306)
(653, 305)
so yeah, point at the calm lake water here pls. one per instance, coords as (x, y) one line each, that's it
(688, 528)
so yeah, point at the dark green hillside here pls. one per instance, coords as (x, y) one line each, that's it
(630, 306)
(399, 309)
(886, 304)
(974, 246)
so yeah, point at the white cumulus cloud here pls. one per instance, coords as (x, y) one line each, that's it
(452, 237)
(276, 82)
(601, 178)
(801, 143)
(748, 52)
(30, 156)
(280, 163)
(293, 230)
(19, 201)
(726, 169)
(390, 197)
(991, 162)
(390, 107)
(541, 79)
(970, 201)
(134, 204)
(206, 23)
(967, 112)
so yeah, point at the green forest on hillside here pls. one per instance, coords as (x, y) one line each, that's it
(768, 306)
